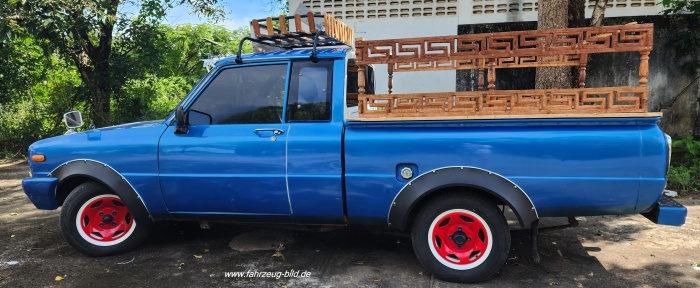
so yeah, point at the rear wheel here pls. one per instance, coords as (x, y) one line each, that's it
(96, 222)
(461, 238)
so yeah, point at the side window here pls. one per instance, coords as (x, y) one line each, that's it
(244, 95)
(310, 91)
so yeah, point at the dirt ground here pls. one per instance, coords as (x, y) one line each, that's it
(608, 251)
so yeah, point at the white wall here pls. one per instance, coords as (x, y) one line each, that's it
(466, 11)
(430, 81)
(377, 19)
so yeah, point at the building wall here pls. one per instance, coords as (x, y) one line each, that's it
(673, 90)
(377, 19)
(463, 11)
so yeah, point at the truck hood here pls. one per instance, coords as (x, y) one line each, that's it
(130, 125)
(107, 145)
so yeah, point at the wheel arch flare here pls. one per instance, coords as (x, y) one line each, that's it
(493, 184)
(107, 176)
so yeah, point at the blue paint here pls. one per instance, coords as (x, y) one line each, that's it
(324, 172)
(41, 191)
(673, 216)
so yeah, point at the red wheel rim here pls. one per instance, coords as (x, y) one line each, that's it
(460, 237)
(105, 219)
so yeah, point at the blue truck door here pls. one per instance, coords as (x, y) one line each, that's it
(233, 158)
(315, 117)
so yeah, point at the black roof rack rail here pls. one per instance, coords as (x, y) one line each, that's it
(330, 32)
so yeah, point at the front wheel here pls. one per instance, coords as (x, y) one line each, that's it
(96, 222)
(461, 238)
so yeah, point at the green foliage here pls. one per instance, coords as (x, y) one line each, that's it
(150, 98)
(85, 33)
(163, 68)
(186, 47)
(684, 173)
(690, 146)
(21, 66)
(36, 112)
(151, 71)
(683, 178)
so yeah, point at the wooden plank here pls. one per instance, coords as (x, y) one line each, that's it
(270, 28)
(256, 28)
(312, 21)
(297, 23)
(514, 116)
(283, 25)
(336, 32)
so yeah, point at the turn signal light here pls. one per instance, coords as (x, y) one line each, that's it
(38, 158)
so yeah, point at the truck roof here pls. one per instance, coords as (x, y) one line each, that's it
(321, 52)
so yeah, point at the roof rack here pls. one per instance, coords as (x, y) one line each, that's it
(291, 33)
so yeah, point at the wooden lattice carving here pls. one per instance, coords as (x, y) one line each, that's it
(502, 62)
(623, 38)
(520, 102)
(491, 51)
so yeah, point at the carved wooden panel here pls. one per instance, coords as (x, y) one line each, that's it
(506, 102)
(622, 38)
(517, 49)
(502, 62)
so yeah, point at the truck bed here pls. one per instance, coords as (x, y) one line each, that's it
(567, 166)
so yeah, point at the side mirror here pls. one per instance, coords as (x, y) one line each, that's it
(195, 117)
(72, 119)
(181, 119)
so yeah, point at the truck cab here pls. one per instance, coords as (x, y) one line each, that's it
(275, 138)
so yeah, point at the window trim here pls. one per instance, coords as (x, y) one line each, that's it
(203, 84)
(330, 66)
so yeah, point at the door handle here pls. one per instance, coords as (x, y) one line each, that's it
(275, 131)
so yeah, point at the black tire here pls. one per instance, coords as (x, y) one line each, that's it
(107, 215)
(461, 218)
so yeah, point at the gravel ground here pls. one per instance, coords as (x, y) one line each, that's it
(606, 251)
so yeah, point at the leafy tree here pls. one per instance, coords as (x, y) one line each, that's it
(34, 111)
(82, 32)
(21, 66)
(168, 64)
(187, 46)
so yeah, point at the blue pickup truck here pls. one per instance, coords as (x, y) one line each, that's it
(269, 138)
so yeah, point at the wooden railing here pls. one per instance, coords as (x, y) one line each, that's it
(298, 31)
(491, 51)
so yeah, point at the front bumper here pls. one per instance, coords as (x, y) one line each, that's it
(667, 212)
(41, 191)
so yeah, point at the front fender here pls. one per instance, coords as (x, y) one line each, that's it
(108, 176)
(460, 176)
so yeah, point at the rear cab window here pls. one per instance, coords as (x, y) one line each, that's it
(310, 91)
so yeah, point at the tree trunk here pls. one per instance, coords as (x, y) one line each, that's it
(598, 12)
(552, 14)
(577, 15)
(94, 81)
(98, 77)
(577, 18)
(100, 111)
